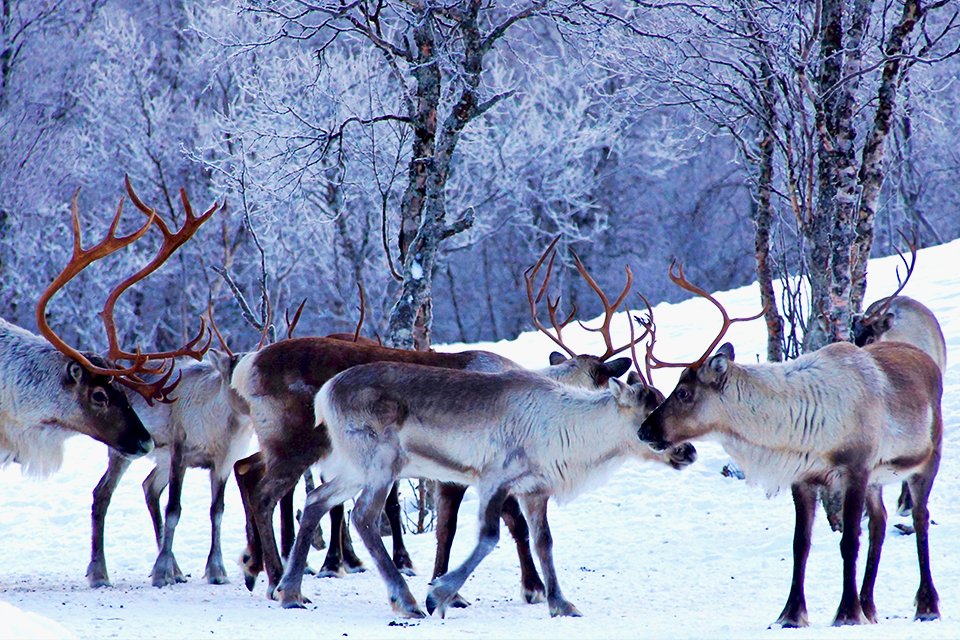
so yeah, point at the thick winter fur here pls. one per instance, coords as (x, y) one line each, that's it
(206, 427)
(46, 397)
(842, 416)
(510, 433)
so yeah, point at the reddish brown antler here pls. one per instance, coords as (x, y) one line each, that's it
(881, 311)
(649, 329)
(681, 281)
(82, 258)
(609, 310)
(292, 324)
(216, 331)
(529, 276)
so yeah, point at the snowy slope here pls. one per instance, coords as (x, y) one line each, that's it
(652, 553)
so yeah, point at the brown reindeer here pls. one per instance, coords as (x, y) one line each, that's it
(841, 416)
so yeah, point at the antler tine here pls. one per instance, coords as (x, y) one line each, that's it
(681, 281)
(80, 260)
(529, 276)
(609, 309)
(171, 242)
(363, 312)
(901, 283)
(649, 329)
(266, 325)
(216, 330)
(292, 325)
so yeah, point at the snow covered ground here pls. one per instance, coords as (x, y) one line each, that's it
(651, 553)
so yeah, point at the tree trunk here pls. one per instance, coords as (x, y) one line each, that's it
(871, 166)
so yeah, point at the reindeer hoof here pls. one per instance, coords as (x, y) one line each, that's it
(535, 595)
(459, 602)
(217, 579)
(564, 608)
(407, 608)
(97, 577)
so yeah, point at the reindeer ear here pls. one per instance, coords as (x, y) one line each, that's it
(633, 378)
(714, 371)
(616, 368)
(620, 391)
(556, 358)
(885, 323)
(220, 361)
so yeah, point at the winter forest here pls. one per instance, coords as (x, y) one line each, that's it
(727, 136)
(401, 170)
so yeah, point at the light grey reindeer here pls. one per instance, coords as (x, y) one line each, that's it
(47, 396)
(50, 390)
(842, 416)
(206, 426)
(515, 433)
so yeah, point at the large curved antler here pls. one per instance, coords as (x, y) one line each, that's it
(681, 281)
(81, 258)
(881, 311)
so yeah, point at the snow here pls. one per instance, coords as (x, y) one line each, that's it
(652, 553)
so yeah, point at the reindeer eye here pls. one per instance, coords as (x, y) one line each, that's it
(683, 394)
(870, 340)
(100, 396)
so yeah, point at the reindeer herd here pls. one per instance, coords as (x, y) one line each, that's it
(847, 417)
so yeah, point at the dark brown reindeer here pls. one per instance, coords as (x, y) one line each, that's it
(842, 416)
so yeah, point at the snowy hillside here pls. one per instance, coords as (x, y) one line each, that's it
(652, 553)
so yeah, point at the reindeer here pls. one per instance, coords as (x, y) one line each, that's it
(842, 416)
(279, 384)
(173, 425)
(515, 433)
(50, 390)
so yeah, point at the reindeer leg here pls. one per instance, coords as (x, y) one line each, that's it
(794, 613)
(318, 502)
(351, 563)
(449, 497)
(878, 527)
(248, 472)
(854, 495)
(117, 465)
(215, 572)
(401, 557)
(366, 518)
(444, 589)
(279, 480)
(165, 570)
(928, 601)
(904, 502)
(333, 561)
(532, 588)
(153, 485)
(286, 525)
(535, 508)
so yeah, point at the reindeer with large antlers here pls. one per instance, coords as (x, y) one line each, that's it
(576, 370)
(50, 390)
(844, 416)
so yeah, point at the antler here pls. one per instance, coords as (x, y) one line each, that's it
(681, 281)
(649, 329)
(528, 276)
(363, 312)
(609, 310)
(881, 311)
(292, 324)
(82, 258)
(216, 331)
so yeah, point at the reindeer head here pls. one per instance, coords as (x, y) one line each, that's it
(685, 414)
(100, 409)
